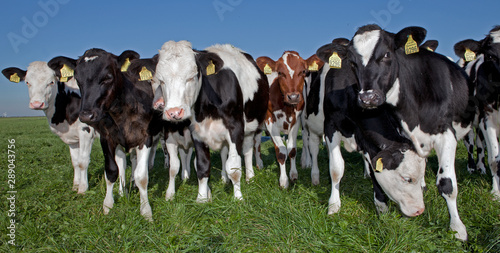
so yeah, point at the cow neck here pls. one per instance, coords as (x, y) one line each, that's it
(120, 103)
(51, 108)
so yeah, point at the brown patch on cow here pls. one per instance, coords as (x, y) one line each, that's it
(235, 176)
(285, 125)
(279, 156)
(292, 153)
(143, 182)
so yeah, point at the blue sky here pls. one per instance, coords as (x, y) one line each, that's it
(40, 30)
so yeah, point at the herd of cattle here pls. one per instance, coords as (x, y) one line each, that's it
(388, 96)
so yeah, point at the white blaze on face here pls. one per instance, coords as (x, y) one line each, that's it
(285, 61)
(495, 36)
(42, 83)
(365, 44)
(91, 58)
(177, 74)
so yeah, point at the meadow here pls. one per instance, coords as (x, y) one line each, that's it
(50, 217)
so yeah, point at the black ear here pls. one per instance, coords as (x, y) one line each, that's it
(58, 62)
(10, 73)
(337, 45)
(418, 34)
(204, 59)
(430, 45)
(127, 54)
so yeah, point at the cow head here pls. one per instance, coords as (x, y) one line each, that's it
(490, 49)
(41, 82)
(400, 173)
(290, 71)
(142, 70)
(179, 73)
(375, 55)
(99, 78)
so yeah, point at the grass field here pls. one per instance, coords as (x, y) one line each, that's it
(52, 218)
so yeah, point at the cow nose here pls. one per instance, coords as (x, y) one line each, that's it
(37, 105)
(87, 116)
(419, 212)
(175, 113)
(369, 99)
(293, 98)
(159, 104)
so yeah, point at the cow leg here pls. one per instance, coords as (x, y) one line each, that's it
(367, 171)
(480, 143)
(445, 147)
(223, 158)
(152, 154)
(110, 173)
(165, 152)
(185, 155)
(258, 158)
(468, 141)
(86, 142)
(141, 180)
(248, 145)
(336, 170)
(233, 169)
(202, 171)
(314, 141)
(74, 150)
(490, 134)
(379, 197)
(281, 152)
(292, 150)
(305, 157)
(172, 149)
(121, 161)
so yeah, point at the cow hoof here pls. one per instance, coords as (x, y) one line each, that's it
(82, 189)
(461, 231)
(106, 210)
(147, 213)
(315, 178)
(496, 195)
(333, 208)
(294, 177)
(284, 183)
(75, 187)
(260, 164)
(224, 179)
(169, 196)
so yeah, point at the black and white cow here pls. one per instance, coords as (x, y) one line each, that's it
(121, 112)
(484, 72)
(429, 94)
(224, 94)
(374, 133)
(467, 50)
(60, 102)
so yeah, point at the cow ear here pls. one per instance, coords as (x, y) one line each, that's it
(430, 45)
(408, 36)
(264, 61)
(14, 74)
(467, 49)
(142, 69)
(209, 63)
(126, 57)
(334, 53)
(314, 63)
(63, 67)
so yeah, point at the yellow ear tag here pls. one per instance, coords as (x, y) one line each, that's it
(430, 49)
(145, 74)
(313, 66)
(469, 55)
(210, 68)
(380, 166)
(267, 69)
(66, 72)
(15, 78)
(335, 61)
(411, 46)
(125, 65)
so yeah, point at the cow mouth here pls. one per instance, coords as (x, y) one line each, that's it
(370, 100)
(292, 98)
(89, 117)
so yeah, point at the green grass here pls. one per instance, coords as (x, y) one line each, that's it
(52, 218)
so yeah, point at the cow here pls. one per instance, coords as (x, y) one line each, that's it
(121, 112)
(224, 95)
(60, 102)
(484, 72)
(286, 78)
(467, 51)
(429, 94)
(374, 133)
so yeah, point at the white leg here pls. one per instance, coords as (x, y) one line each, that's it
(314, 141)
(141, 180)
(292, 149)
(233, 169)
(121, 162)
(108, 200)
(491, 139)
(86, 142)
(174, 168)
(367, 166)
(336, 171)
(204, 193)
(185, 162)
(305, 157)
(223, 157)
(248, 143)
(74, 151)
(445, 147)
(281, 152)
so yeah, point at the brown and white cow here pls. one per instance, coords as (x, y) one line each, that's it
(286, 78)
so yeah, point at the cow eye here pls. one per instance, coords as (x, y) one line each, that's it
(28, 84)
(386, 55)
(51, 83)
(107, 79)
(407, 179)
